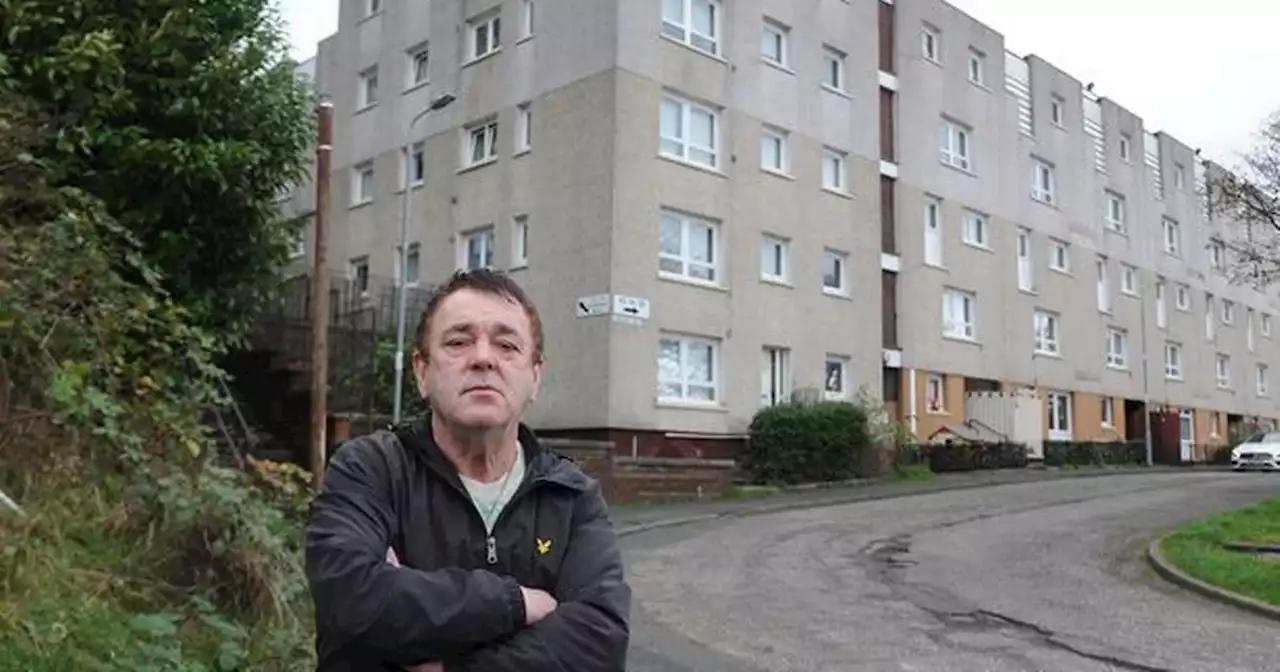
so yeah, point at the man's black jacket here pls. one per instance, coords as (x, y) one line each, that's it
(456, 597)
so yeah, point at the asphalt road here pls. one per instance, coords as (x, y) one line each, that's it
(1036, 576)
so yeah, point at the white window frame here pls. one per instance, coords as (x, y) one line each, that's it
(1261, 386)
(413, 261)
(775, 36)
(1107, 412)
(955, 302)
(1117, 219)
(1228, 312)
(1217, 255)
(1044, 182)
(977, 67)
(934, 238)
(1249, 340)
(833, 66)
(1172, 360)
(1058, 404)
(931, 43)
(520, 241)
(935, 393)
(1126, 147)
(680, 28)
(779, 138)
(1172, 231)
(955, 145)
(976, 229)
(1026, 260)
(372, 7)
(524, 128)
(1210, 318)
(775, 376)
(839, 366)
(485, 238)
(1222, 370)
(1129, 279)
(841, 261)
(679, 145)
(1056, 110)
(1182, 297)
(775, 259)
(527, 16)
(490, 24)
(1265, 327)
(1162, 306)
(367, 88)
(835, 164)
(415, 172)
(1179, 176)
(419, 71)
(1117, 348)
(1059, 255)
(363, 183)
(486, 132)
(1047, 328)
(684, 343)
(690, 225)
(359, 280)
(1103, 284)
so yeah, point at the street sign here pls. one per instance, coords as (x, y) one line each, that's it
(631, 306)
(596, 304)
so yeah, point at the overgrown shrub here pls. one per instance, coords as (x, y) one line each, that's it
(806, 442)
(964, 456)
(1094, 453)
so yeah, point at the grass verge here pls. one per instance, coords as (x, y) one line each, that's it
(1197, 549)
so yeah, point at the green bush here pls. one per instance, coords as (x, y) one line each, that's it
(1094, 453)
(796, 443)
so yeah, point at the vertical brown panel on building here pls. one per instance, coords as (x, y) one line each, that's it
(888, 151)
(886, 38)
(888, 224)
(889, 309)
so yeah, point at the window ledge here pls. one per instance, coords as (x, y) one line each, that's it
(692, 282)
(777, 66)
(980, 246)
(690, 164)
(963, 171)
(837, 192)
(361, 204)
(838, 92)
(521, 152)
(777, 282)
(681, 405)
(836, 294)
(478, 165)
(415, 86)
(690, 47)
(960, 339)
(483, 57)
(777, 173)
(1047, 355)
(366, 108)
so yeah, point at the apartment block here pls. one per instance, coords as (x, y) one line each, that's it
(724, 204)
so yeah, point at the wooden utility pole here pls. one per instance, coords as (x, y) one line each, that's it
(320, 296)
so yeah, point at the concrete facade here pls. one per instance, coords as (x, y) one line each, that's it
(728, 175)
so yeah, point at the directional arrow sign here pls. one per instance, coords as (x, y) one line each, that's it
(596, 304)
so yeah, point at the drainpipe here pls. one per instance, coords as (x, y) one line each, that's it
(911, 400)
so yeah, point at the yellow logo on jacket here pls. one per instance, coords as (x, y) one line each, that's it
(544, 546)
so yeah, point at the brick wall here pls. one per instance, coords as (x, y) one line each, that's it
(647, 443)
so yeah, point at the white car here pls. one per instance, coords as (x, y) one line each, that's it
(1260, 451)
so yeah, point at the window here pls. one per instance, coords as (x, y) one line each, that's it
(520, 241)
(526, 18)
(977, 67)
(689, 131)
(372, 7)
(1182, 297)
(524, 128)
(1026, 280)
(1059, 255)
(416, 167)
(1248, 330)
(975, 229)
(835, 383)
(931, 44)
(1222, 370)
(1265, 327)
(773, 44)
(1210, 321)
(775, 376)
(834, 170)
(832, 68)
(1172, 237)
(486, 35)
(694, 22)
(1107, 412)
(367, 93)
(1217, 255)
(935, 393)
(954, 146)
(482, 144)
(687, 247)
(362, 184)
(933, 232)
(1162, 309)
(419, 65)
(1117, 348)
(298, 244)
(1104, 286)
(358, 274)
(1173, 361)
(1179, 176)
(959, 316)
(1116, 213)
(688, 369)
(773, 259)
(1261, 375)
(1128, 279)
(477, 250)
(1043, 182)
(1046, 333)
(412, 262)
(774, 156)
(1124, 146)
(834, 272)
(1056, 105)
(1228, 312)
(1059, 407)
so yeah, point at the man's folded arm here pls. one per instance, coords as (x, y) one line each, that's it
(398, 615)
(589, 631)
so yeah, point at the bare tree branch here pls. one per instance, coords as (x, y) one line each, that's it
(1245, 203)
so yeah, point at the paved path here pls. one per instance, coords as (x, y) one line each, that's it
(1031, 576)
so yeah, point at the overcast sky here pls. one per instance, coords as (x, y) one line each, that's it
(1206, 72)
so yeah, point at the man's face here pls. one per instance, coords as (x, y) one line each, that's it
(479, 371)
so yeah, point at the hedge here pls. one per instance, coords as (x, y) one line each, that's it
(1087, 453)
(806, 442)
(975, 456)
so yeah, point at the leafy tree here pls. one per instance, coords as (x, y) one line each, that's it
(1246, 201)
(184, 119)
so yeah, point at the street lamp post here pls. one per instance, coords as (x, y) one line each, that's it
(402, 283)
